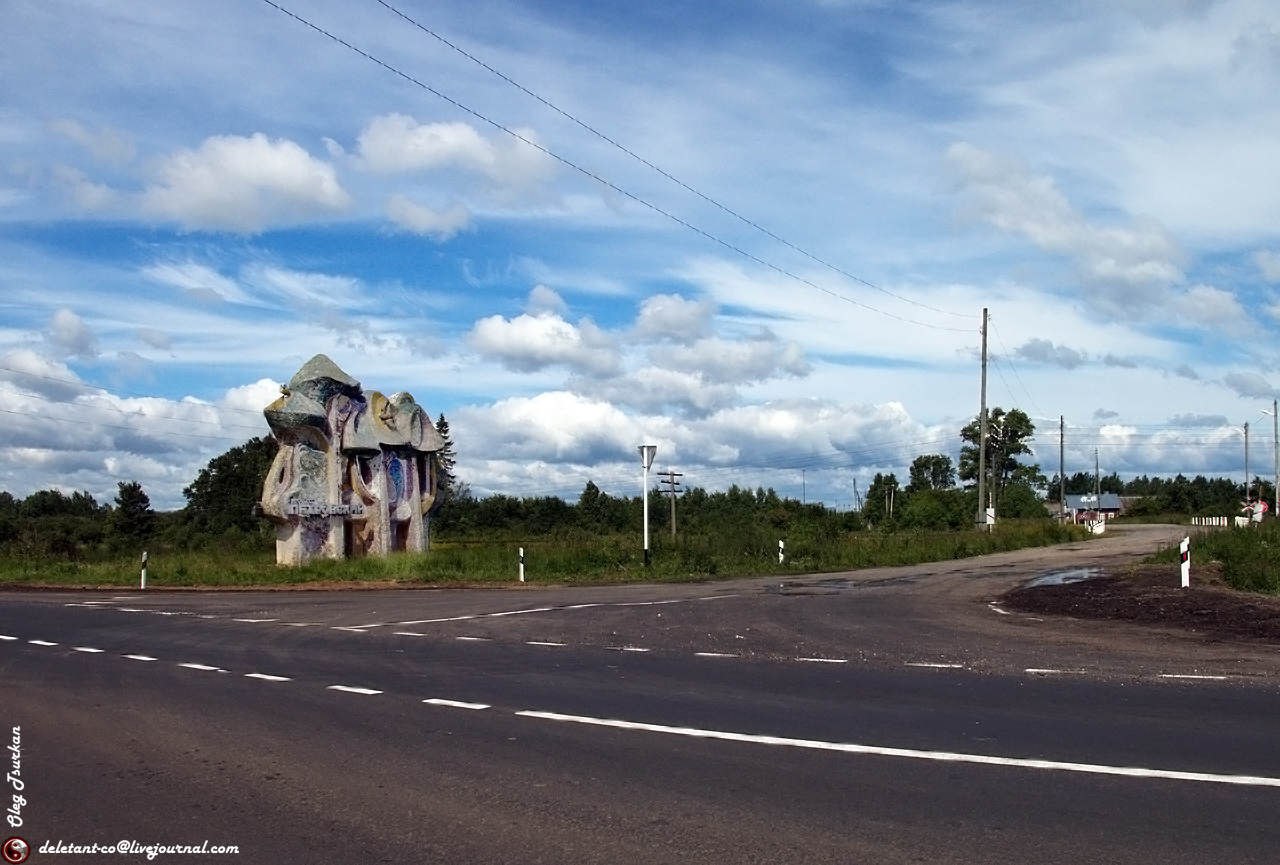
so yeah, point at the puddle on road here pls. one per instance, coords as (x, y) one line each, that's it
(1061, 578)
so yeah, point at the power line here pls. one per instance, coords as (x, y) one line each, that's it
(596, 177)
(645, 162)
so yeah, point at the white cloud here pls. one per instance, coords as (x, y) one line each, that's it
(1250, 385)
(1268, 263)
(84, 193)
(528, 343)
(106, 145)
(157, 339)
(244, 185)
(544, 301)
(757, 357)
(420, 219)
(670, 317)
(69, 336)
(398, 144)
(198, 281)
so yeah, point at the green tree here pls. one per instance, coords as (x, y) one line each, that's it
(1007, 439)
(132, 519)
(446, 459)
(882, 499)
(931, 472)
(223, 495)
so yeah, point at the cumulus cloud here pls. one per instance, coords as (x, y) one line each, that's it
(655, 390)
(557, 425)
(529, 343)
(672, 318)
(420, 219)
(244, 185)
(758, 357)
(398, 144)
(544, 301)
(1045, 351)
(35, 373)
(69, 336)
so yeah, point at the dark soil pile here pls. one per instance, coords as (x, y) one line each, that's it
(1152, 595)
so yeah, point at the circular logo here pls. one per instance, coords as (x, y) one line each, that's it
(16, 850)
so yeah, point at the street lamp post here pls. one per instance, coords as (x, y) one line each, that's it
(647, 453)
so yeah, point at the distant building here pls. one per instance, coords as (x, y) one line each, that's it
(1091, 508)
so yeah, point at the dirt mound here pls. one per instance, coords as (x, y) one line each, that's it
(1152, 595)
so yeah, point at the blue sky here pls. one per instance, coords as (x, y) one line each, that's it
(759, 234)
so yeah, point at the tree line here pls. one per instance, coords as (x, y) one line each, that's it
(938, 495)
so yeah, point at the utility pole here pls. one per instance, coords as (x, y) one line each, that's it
(1247, 498)
(672, 489)
(982, 435)
(857, 497)
(1275, 419)
(1097, 479)
(1062, 469)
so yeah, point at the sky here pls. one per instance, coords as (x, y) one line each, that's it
(759, 234)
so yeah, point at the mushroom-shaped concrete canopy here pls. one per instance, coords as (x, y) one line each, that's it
(305, 398)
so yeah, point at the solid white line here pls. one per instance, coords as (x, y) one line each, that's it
(86, 649)
(715, 597)
(350, 690)
(914, 754)
(253, 620)
(140, 657)
(825, 660)
(457, 704)
(582, 606)
(267, 677)
(1180, 676)
(935, 666)
(434, 621)
(542, 643)
(518, 612)
(204, 667)
(374, 625)
(714, 655)
(353, 630)
(41, 643)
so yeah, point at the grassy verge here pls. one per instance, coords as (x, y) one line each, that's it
(565, 559)
(1250, 557)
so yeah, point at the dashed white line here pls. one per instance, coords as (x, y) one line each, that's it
(139, 657)
(910, 753)
(41, 643)
(1189, 676)
(626, 649)
(348, 628)
(87, 649)
(935, 666)
(473, 639)
(408, 634)
(542, 643)
(299, 624)
(7, 637)
(456, 704)
(824, 660)
(998, 610)
(267, 677)
(520, 612)
(368, 692)
(714, 655)
(204, 667)
(1050, 671)
(254, 620)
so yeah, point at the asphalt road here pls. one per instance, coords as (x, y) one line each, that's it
(887, 716)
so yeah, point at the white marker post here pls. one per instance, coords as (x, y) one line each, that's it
(522, 564)
(647, 453)
(1185, 549)
(144, 569)
(781, 552)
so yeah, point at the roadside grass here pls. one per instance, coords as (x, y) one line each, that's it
(566, 558)
(1250, 556)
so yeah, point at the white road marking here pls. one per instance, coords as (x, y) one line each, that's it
(408, 634)
(474, 639)
(267, 677)
(714, 655)
(915, 754)
(625, 649)
(520, 612)
(1188, 676)
(353, 630)
(41, 643)
(998, 610)
(435, 621)
(299, 624)
(204, 667)
(373, 625)
(140, 657)
(131, 610)
(7, 637)
(716, 597)
(205, 617)
(87, 649)
(368, 692)
(542, 643)
(935, 666)
(1047, 671)
(582, 606)
(254, 620)
(457, 704)
(824, 660)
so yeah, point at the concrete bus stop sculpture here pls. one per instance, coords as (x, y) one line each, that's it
(356, 472)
